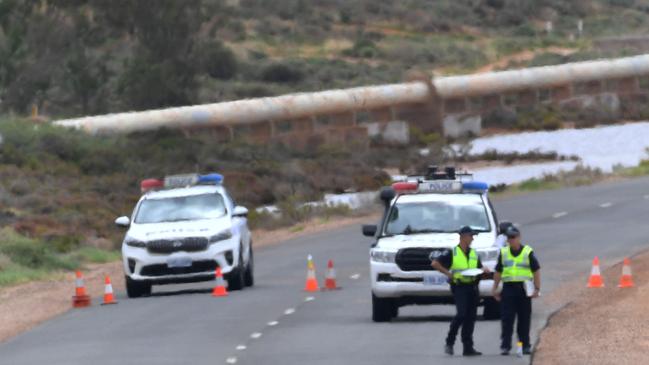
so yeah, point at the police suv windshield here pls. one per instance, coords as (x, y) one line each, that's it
(437, 213)
(184, 208)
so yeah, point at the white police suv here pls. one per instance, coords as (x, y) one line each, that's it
(421, 219)
(182, 229)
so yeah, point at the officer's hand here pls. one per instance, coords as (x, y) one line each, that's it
(496, 294)
(486, 270)
(536, 293)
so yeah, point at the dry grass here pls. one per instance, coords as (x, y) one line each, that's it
(600, 326)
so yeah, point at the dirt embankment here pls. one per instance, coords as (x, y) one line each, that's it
(600, 326)
(24, 306)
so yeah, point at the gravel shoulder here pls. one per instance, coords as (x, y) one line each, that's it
(599, 326)
(24, 306)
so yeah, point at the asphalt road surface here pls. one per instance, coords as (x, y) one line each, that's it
(277, 323)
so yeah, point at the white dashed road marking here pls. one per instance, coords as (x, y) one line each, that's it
(241, 347)
(289, 311)
(231, 360)
(559, 215)
(273, 323)
(255, 335)
(605, 205)
(355, 276)
(309, 299)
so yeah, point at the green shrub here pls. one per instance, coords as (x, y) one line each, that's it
(282, 73)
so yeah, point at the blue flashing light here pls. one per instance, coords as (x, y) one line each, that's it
(475, 186)
(210, 179)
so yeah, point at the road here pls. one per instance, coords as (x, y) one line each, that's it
(277, 323)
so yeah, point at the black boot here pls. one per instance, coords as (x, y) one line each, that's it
(471, 352)
(448, 349)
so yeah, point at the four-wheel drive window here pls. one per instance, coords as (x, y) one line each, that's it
(440, 213)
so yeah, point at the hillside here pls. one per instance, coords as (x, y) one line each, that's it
(60, 189)
(133, 55)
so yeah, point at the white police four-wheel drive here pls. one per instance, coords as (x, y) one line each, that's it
(421, 219)
(181, 230)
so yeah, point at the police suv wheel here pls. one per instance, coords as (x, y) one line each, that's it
(491, 309)
(236, 278)
(249, 277)
(383, 309)
(136, 289)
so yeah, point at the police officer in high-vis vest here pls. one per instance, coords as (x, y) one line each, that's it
(464, 288)
(518, 269)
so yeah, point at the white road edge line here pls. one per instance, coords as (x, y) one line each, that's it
(559, 215)
(289, 311)
(241, 347)
(605, 205)
(309, 299)
(273, 323)
(255, 335)
(355, 276)
(231, 360)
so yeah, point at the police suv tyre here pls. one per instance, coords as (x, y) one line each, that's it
(249, 279)
(491, 309)
(383, 309)
(236, 279)
(136, 289)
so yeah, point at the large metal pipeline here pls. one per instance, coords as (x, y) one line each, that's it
(248, 111)
(293, 106)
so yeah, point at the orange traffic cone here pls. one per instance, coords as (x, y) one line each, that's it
(626, 281)
(108, 292)
(219, 289)
(80, 298)
(330, 277)
(311, 281)
(595, 279)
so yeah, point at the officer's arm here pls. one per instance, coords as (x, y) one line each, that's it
(537, 281)
(439, 267)
(497, 276)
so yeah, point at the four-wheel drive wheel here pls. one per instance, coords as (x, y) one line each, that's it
(491, 309)
(383, 309)
(136, 289)
(236, 278)
(249, 278)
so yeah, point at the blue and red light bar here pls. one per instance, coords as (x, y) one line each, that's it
(180, 181)
(440, 186)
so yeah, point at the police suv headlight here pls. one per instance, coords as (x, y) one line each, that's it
(488, 254)
(383, 256)
(221, 236)
(135, 243)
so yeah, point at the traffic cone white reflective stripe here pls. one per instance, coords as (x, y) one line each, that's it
(80, 288)
(108, 292)
(595, 279)
(80, 299)
(219, 289)
(626, 281)
(330, 277)
(311, 281)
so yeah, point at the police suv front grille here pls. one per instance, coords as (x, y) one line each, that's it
(163, 269)
(189, 244)
(417, 259)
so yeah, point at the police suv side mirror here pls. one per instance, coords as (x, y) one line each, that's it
(387, 194)
(369, 230)
(240, 211)
(123, 222)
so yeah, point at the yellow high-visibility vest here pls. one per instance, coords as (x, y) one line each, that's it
(460, 263)
(516, 268)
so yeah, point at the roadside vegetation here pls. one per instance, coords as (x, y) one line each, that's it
(60, 190)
